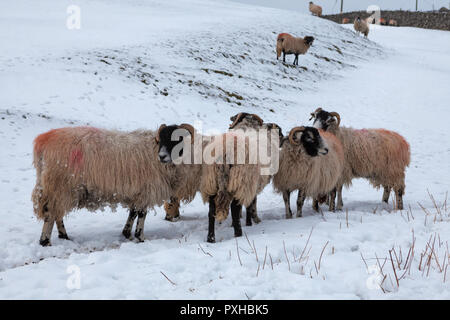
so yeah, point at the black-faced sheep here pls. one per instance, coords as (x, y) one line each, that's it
(361, 26)
(315, 9)
(186, 181)
(244, 121)
(85, 167)
(229, 178)
(310, 162)
(287, 44)
(379, 155)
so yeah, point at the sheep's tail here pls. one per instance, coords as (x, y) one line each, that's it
(38, 197)
(223, 197)
(280, 40)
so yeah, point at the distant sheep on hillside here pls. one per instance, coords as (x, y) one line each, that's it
(315, 9)
(287, 44)
(361, 26)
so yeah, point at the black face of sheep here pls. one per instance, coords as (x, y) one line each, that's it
(309, 40)
(310, 139)
(274, 126)
(169, 137)
(323, 119)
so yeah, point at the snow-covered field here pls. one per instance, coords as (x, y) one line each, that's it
(137, 64)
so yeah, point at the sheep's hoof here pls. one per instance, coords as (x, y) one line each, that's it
(126, 234)
(211, 239)
(248, 223)
(289, 216)
(45, 242)
(63, 236)
(171, 218)
(256, 219)
(299, 214)
(140, 239)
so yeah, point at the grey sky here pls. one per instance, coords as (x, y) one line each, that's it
(333, 6)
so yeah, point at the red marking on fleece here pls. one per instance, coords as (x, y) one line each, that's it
(76, 159)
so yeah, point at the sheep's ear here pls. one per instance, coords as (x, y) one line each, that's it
(233, 118)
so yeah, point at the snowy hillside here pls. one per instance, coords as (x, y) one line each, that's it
(137, 64)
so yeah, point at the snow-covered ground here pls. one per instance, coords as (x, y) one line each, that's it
(137, 64)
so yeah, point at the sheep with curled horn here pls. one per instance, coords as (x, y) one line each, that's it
(379, 155)
(311, 162)
(225, 183)
(85, 167)
(244, 121)
(185, 183)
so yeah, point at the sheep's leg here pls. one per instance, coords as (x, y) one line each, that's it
(315, 205)
(62, 233)
(47, 232)
(255, 217)
(211, 216)
(129, 224)
(340, 204)
(139, 233)
(332, 206)
(172, 209)
(296, 60)
(386, 193)
(252, 213)
(399, 194)
(300, 202)
(236, 209)
(284, 56)
(287, 206)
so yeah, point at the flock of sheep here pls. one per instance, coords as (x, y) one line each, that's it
(360, 25)
(86, 167)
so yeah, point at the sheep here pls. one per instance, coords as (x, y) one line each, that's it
(393, 23)
(224, 182)
(287, 44)
(383, 21)
(187, 182)
(86, 167)
(361, 26)
(345, 20)
(311, 161)
(315, 9)
(379, 155)
(243, 121)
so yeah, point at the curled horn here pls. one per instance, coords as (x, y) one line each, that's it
(189, 128)
(258, 118)
(313, 114)
(338, 117)
(236, 121)
(294, 131)
(159, 132)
